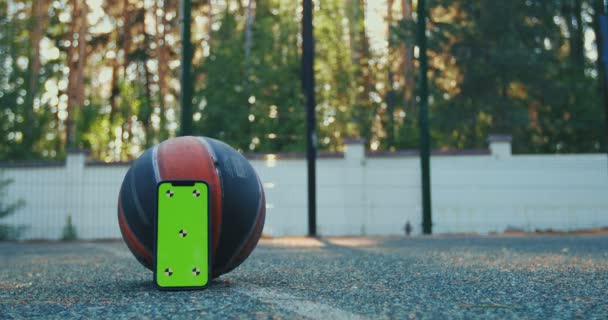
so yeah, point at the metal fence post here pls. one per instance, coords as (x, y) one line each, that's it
(425, 149)
(186, 69)
(308, 82)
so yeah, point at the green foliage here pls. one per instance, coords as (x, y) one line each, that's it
(334, 75)
(8, 232)
(24, 118)
(223, 102)
(254, 103)
(69, 231)
(525, 68)
(516, 72)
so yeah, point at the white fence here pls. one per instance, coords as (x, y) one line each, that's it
(358, 194)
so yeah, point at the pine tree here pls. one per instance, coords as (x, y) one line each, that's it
(8, 232)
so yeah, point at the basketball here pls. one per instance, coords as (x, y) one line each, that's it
(236, 196)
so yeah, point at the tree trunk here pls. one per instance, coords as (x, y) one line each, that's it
(409, 73)
(126, 37)
(72, 78)
(161, 58)
(578, 48)
(366, 74)
(363, 112)
(571, 11)
(114, 91)
(39, 16)
(146, 118)
(351, 7)
(242, 6)
(126, 49)
(210, 20)
(248, 37)
(248, 44)
(82, 54)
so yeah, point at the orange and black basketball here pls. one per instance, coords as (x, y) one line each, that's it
(235, 192)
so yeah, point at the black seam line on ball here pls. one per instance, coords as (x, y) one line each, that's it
(155, 164)
(138, 208)
(207, 146)
(252, 230)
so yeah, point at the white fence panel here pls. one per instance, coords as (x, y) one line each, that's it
(356, 194)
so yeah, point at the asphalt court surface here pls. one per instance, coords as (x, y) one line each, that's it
(439, 277)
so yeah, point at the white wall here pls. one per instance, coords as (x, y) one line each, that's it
(357, 195)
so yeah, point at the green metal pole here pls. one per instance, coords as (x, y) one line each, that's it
(186, 68)
(308, 82)
(425, 141)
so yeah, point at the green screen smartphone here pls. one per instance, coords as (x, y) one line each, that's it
(182, 235)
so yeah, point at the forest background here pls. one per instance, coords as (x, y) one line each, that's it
(103, 75)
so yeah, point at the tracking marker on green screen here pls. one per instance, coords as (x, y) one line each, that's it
(182, 259)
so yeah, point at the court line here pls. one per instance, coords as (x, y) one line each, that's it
(109, 249)
(298, 305)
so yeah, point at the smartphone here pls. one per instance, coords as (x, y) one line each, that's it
(182, 236)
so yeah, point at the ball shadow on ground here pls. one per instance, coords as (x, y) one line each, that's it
(139, 285)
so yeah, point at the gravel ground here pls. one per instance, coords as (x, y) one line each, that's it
(440, 277)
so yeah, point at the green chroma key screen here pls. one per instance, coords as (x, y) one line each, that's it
(182, 239)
